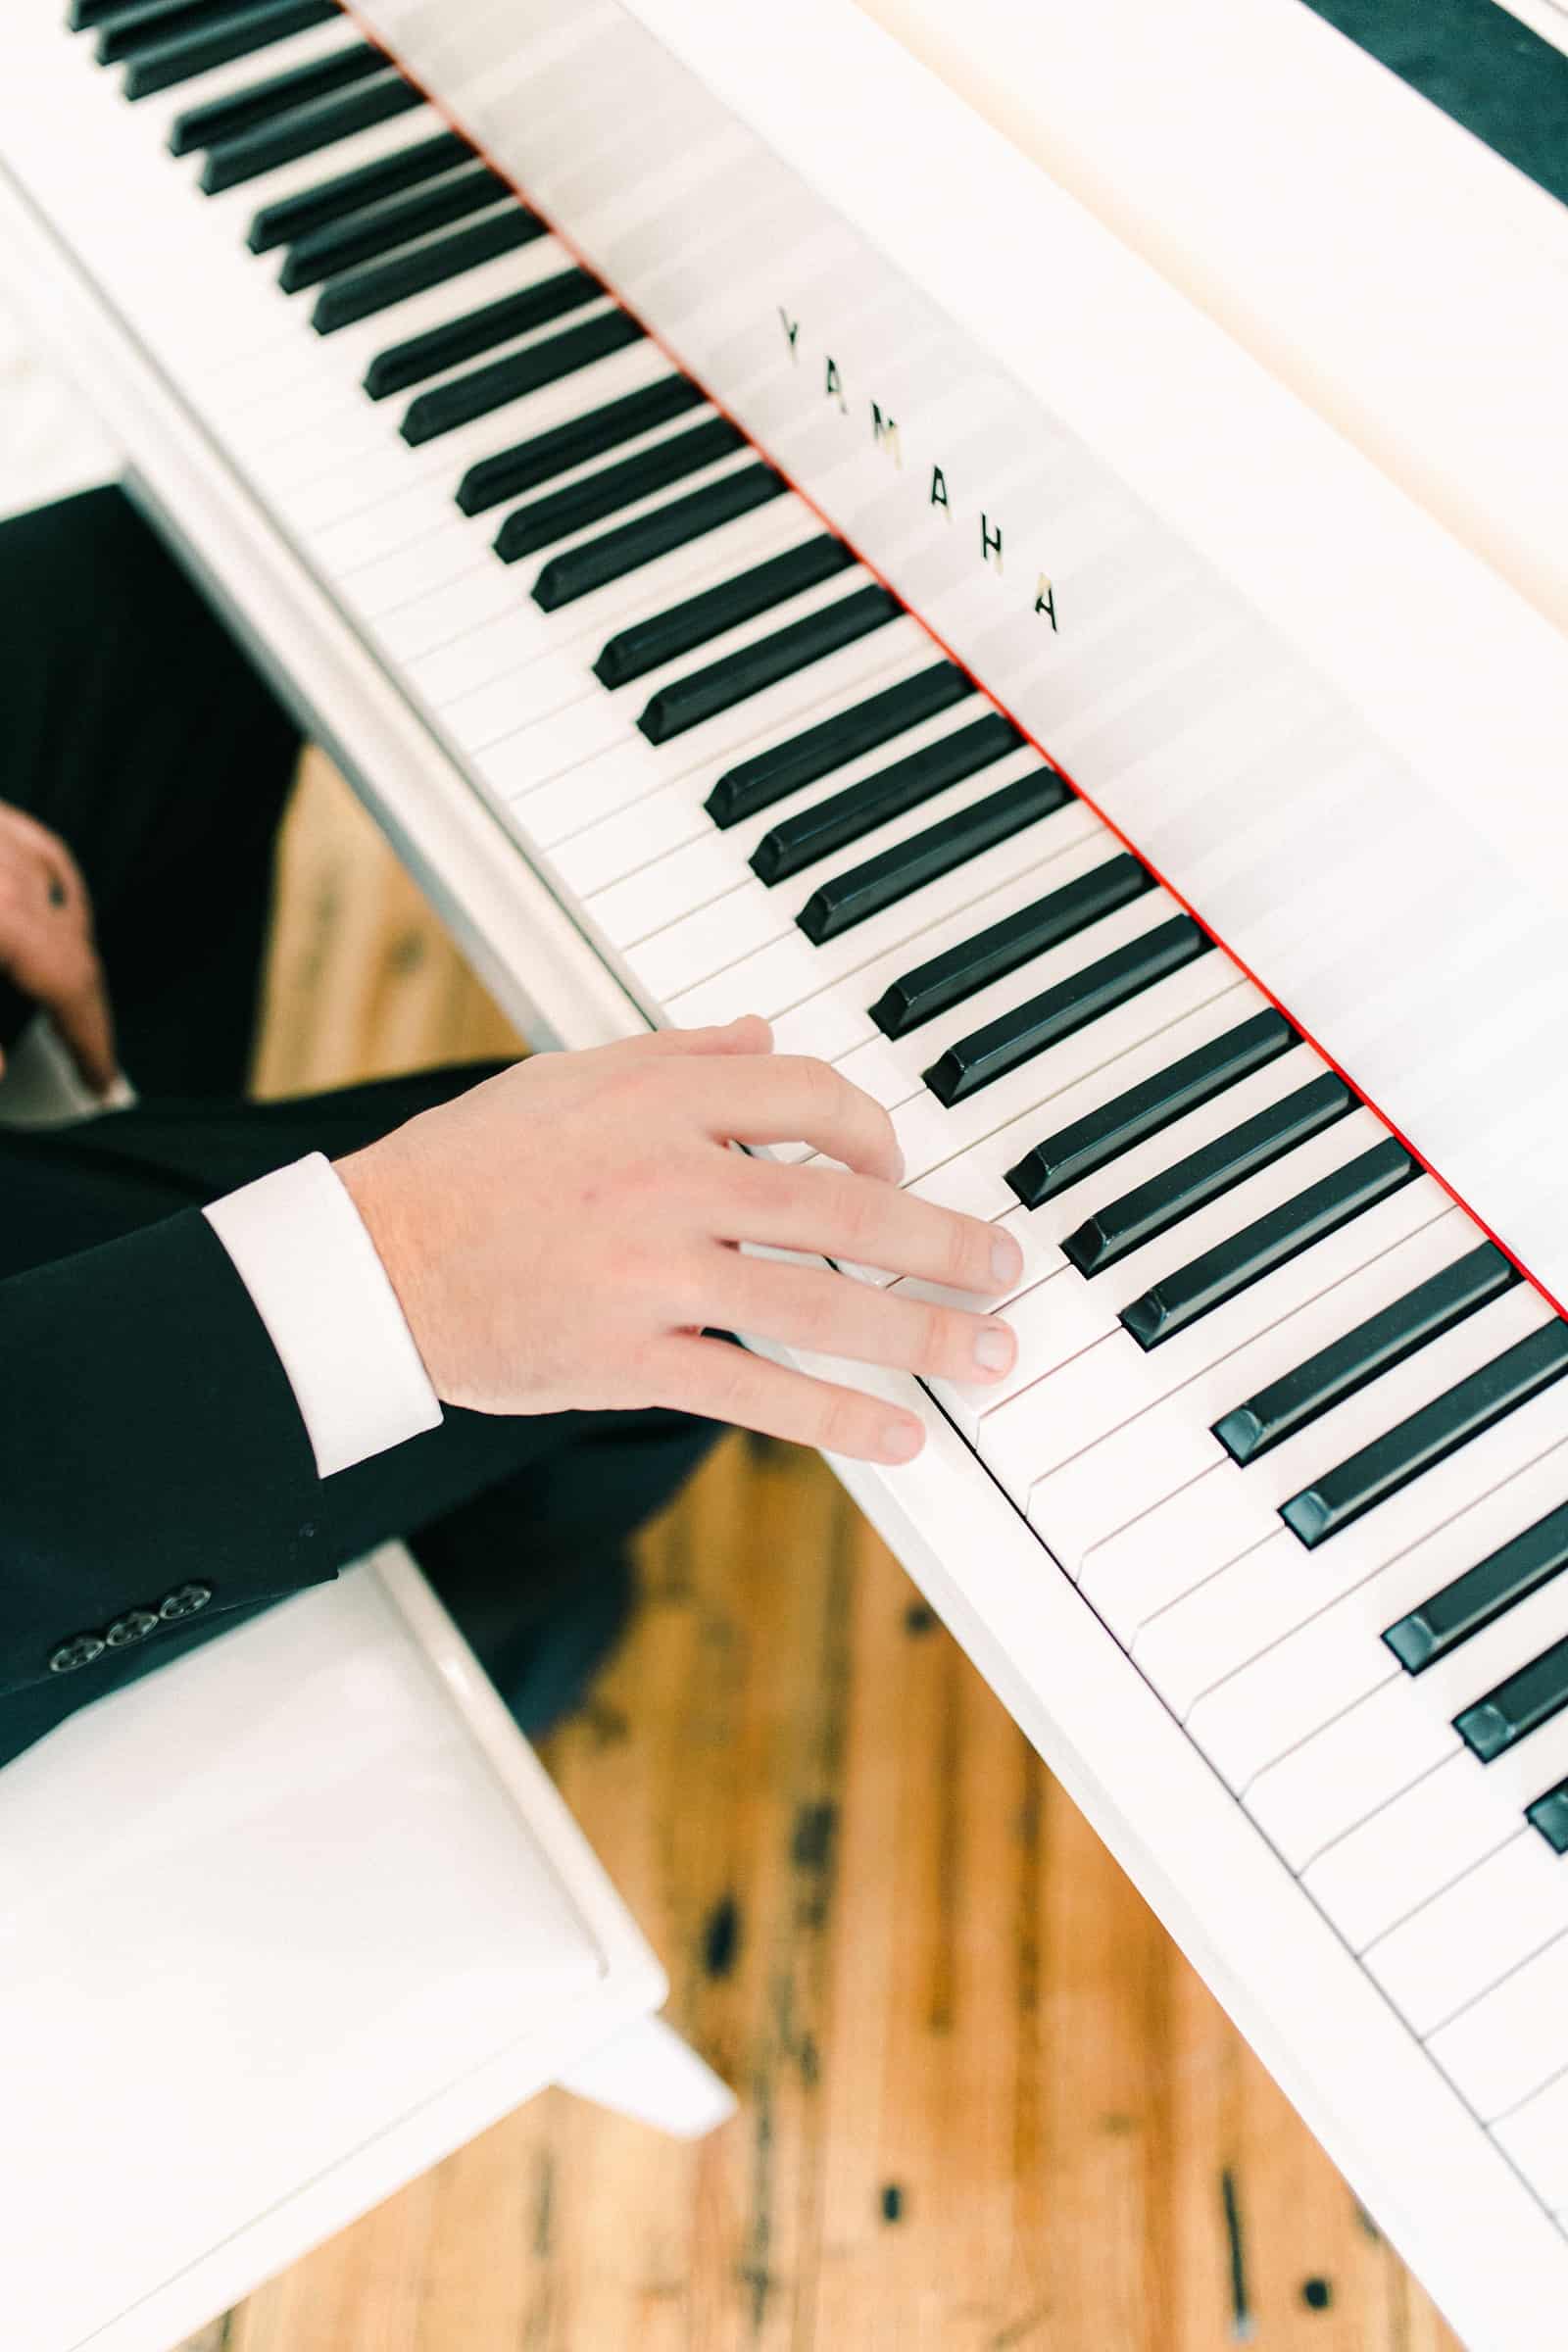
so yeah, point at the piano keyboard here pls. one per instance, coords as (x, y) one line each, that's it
(1296, 1428)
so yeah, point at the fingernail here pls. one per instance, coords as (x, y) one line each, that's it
(993, 1347)
(1007, 1261)
(901, 1441)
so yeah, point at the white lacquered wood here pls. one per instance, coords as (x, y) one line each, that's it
(213, 2087)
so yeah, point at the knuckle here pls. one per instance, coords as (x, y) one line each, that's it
(841, 1422)
(935, 1339)
(817, 1304)
(958, 1253)
(859, 1217)
(819, 1082)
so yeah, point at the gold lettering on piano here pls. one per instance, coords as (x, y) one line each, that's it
(885, 433)
(887, 441)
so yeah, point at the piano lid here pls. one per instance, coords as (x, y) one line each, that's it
(1331, 725)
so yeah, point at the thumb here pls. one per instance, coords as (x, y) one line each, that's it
(87, 1032)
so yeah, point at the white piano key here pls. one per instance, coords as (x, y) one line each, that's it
(1393, 1864)
(1207, 997)
(1246, 1502)
(1391, 1867)
(978, 1171)
(1359, 1760)
(1508, 1907)
(1219, 1361)
(1207, 1634)
(715, 938)
(297, 463)
(585, 641)
(791, 969)
(272, 397)
(1336, 1656)
(1535, 2136)
(894, 1068)
(1083, 1311)
(1130, 1576)
(1021, 1445)
(233, 209)
(1510, 2040)
(700, 871)
(611, 851)
(1316, 1791)
(1067, 1504)
(476, 601)
(155, 114)
(644, 901)
(490, 587)
(616, 785)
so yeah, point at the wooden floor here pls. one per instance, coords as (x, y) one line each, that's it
(985, 2104)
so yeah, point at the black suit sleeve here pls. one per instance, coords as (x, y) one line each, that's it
(150, 1448)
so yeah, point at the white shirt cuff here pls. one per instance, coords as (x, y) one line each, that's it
(302, 1250)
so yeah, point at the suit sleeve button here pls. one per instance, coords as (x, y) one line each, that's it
(79, 1650)
(184, 1601)
(134, 1626)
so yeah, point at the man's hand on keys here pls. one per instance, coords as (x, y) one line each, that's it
(564, 1236)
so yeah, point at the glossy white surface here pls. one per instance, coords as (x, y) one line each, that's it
(1180, 691)
(278, 1928)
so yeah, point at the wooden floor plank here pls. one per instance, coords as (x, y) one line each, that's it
(985, 2104)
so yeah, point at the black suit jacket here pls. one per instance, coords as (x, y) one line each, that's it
(156, 1480)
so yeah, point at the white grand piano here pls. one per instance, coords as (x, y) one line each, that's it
(1031, 547)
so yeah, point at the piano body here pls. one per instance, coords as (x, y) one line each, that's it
(1068, 619)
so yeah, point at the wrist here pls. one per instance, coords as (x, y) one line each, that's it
(390, 1218)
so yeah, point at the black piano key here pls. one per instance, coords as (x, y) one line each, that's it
(306, 131)
(83, 15)
(946, 980)
(686, 703)
(513, 378)
(578, 442)
(865, 890)
(1102, 1136)
(614, 488)
(1234, 1265)
(772, 775)
(126, 26)
(465, 338)
(1376, 1346)
(631, 545)
(681, 628)
(348, 193)
(1428, 1437)
(366, 236)
(139, 25)
(223, 118)
(218, 40)
(1549, 1815)
(847, 817)
(1058, 1012)
(359, 293)
(1480, 1596)
(1517, 1706)
(1207, 1174)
